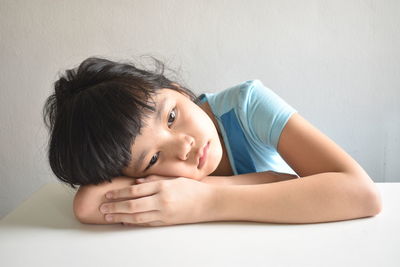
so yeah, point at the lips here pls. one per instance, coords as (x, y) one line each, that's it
(203, 156)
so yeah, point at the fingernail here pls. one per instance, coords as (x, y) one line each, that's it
(140, 180)
(109, 195)
(109, 217)
(104, 209)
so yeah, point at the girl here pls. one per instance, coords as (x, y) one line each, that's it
(231, 155)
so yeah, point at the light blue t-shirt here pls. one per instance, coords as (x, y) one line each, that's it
(251, 118)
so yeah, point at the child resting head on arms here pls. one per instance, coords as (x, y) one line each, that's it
(112, 121)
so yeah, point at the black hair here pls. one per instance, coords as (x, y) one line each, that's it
(94, 115)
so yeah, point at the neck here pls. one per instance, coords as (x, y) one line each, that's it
(224, 168)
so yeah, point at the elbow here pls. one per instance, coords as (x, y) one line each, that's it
(81, 211)
(88, 200)
(374, 201)
(367, 194)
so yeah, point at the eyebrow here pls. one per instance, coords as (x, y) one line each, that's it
(159, 110)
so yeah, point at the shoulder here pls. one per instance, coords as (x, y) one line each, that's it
(261, 112)
(235, 97)
(245, 88)
(252, 98)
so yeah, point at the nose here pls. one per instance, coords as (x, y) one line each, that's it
(185, 146)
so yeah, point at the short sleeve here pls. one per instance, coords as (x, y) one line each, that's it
(266, 112)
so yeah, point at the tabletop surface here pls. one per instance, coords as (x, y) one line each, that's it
(43, 231)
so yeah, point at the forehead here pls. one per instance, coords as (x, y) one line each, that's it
(167, 92)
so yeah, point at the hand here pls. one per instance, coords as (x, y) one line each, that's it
(214, 180)
(162, 202)
(153, 178)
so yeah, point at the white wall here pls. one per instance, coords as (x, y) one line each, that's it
(337, 62)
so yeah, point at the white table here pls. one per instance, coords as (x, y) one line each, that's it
(43, 232)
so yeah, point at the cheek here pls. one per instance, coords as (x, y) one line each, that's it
(216, 153)
(205, 125)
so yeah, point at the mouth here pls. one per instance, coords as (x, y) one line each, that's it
(203, 156)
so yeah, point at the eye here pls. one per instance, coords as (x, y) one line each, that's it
(171, 117)
(153, 160)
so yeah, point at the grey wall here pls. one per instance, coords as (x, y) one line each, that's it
(337, 62)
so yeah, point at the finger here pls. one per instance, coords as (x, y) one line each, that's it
(145, 180)
(137, 218)
(151, 178)
(130, 206)
(134, 191)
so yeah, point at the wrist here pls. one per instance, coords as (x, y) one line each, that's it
(219, 207)
(213, 203)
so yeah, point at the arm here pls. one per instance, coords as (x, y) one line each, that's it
(249, 178)
(333, 186)
(88, 198)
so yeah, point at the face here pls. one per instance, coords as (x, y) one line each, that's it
(182, 142)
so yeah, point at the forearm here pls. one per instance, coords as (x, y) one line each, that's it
(249, 178)
(318, 198)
